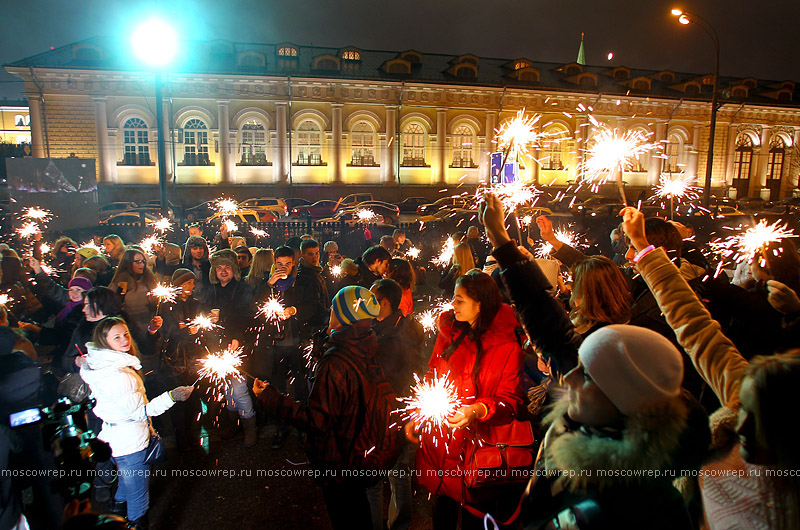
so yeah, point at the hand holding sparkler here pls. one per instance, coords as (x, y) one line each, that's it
(181, 393)
(491, 215)
(259, 386)
(432, 402)
(633, 225)
(155, 324)
(34, 264)
(548, 234)
(466, 415)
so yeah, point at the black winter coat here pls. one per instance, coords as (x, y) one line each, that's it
(400, 350)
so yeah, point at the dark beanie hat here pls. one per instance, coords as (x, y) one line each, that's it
(181, 276)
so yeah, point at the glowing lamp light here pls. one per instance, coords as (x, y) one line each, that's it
(677, 12)
(154, 42)
(683, 19)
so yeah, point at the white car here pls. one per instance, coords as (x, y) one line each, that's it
(276, 206)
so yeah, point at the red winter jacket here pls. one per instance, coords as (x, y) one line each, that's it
(498, 387)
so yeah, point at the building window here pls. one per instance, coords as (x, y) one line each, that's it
(743, 158)
(673, 152)
(254, 144)
(362, 144)
(463, 147)
(195, 143)
(22, 121)
(777, 151)
(309, 144)
(519, 65)
(136, 143)
(351, 55)
(553, 155)
(287, 51)
(413, 145)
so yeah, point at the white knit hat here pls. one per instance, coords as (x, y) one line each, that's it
(634, 367)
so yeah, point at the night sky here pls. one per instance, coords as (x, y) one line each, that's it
(757, 39)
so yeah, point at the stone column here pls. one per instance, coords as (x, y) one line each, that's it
(656, 162)
(692, 162)
(280, 169)
(439, 158)
(339, 147)
(169, 140)
(727, 170)
(388, 173)
(37, 127)
(224, 161)
(486, 159)
(106, 155)
(760, 171)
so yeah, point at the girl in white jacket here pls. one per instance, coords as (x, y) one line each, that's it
(110, 369)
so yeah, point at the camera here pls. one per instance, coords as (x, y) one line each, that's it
(76, 452)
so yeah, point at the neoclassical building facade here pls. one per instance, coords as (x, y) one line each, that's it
(255, 114)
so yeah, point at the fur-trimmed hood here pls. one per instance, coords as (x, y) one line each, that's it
(223, 256)
(649, 442)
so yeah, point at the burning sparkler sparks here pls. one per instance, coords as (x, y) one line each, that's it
(28, 230)
(432, 401)
(37, 214)
(226, 206)
(568, 237)
(203, 322)
(744, 246)
(164, 293)
(336, 271)
(230, 226)
(258, 232)
(365, 215)
(44, 248)
(273, 309)
(446, 254)
(5, 299)
(611, 154)
(518, 133)
(514, 194)
(678, 187)
(430, 318)
(412, 253)
(163, 225)
(219, 367)
(149, 244)
(92, 244)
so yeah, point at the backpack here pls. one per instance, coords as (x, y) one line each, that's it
(379, 440)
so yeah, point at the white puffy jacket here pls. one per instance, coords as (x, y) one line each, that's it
(121, 401)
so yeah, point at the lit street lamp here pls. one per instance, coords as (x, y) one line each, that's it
(689, 18)
(155, 43)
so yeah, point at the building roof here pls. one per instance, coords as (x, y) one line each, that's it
(232, 58)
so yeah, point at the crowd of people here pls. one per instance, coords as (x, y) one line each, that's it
(645, 389)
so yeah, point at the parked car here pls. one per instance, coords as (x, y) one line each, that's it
(112, 208)
(129, 217)
(410, 204)
(245, 216)
(294, 202)
(592, 204)
(379, 207)
(317, 210)
(444, 202)
(533, 211)
(454, 216)
(276, 206)
(352, 200)
(202, 211)
(753, 204)
(351, 218)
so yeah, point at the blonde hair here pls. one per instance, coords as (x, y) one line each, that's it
(262, 263)
(462, 256)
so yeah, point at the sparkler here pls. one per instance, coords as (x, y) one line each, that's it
(28, 230)
(272, 309)
(37, 214)
(744, 246)
(203, 322)
(5, 299)
(230, 226)
(518, 133)
(568, 237)
(432, 401)
(226, 206)
(611, 154)
(676, 188)
(91, 244)
(514, 194)
(218, 367)
(164, 293)
(336, 271)
(413, 253)
(258, 232)
(163, 225)
(366, 215)
(44, 248)
(446, 254)
(430, 318)
(149, 244)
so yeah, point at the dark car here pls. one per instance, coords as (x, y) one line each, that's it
(387, 212)
(410, 204)
(753, 204)
(593, 205)
(202, 211)
(317, 210)
(294, 202)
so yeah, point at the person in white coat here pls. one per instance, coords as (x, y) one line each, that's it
(110, 368)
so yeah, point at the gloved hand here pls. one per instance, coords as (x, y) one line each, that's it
(181, 393)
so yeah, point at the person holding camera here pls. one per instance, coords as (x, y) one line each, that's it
(111, 370)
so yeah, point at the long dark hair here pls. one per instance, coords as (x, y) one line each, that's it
(402, 272)
(126, 267)
(480, 287)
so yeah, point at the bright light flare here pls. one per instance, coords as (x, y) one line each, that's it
(164, 293)
(431, 402)
(258, 232)
(149, 244)
(203, 322)
(218, 367)
(430, 318)
(28, 230)
(611, 150)
(678, 187)
(336, 271)
(518, 133)
(446, 254)
(5, 299)
(163, 225)
(365, 215)
(412, 253)
(514, 194)
(230, 226)
(37, 214)
(745, 245)
(272, 310)
(568, 237)
(92, 244)
(226, 206)
(154, 42)
(44, 248)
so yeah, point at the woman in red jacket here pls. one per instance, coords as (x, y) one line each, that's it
(478, 348)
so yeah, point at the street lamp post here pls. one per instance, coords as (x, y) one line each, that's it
(688, 18)
(155, 43)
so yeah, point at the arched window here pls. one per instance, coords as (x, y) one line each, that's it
(195, 143)
(362, 144)
(19, 120)
(777, 151)
(136, 143)
(309, 144)
(673, 151)
(413, 145)
(743, 158)
(464, 143)
(254, 144)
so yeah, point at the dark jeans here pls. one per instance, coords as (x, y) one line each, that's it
(347, 506)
